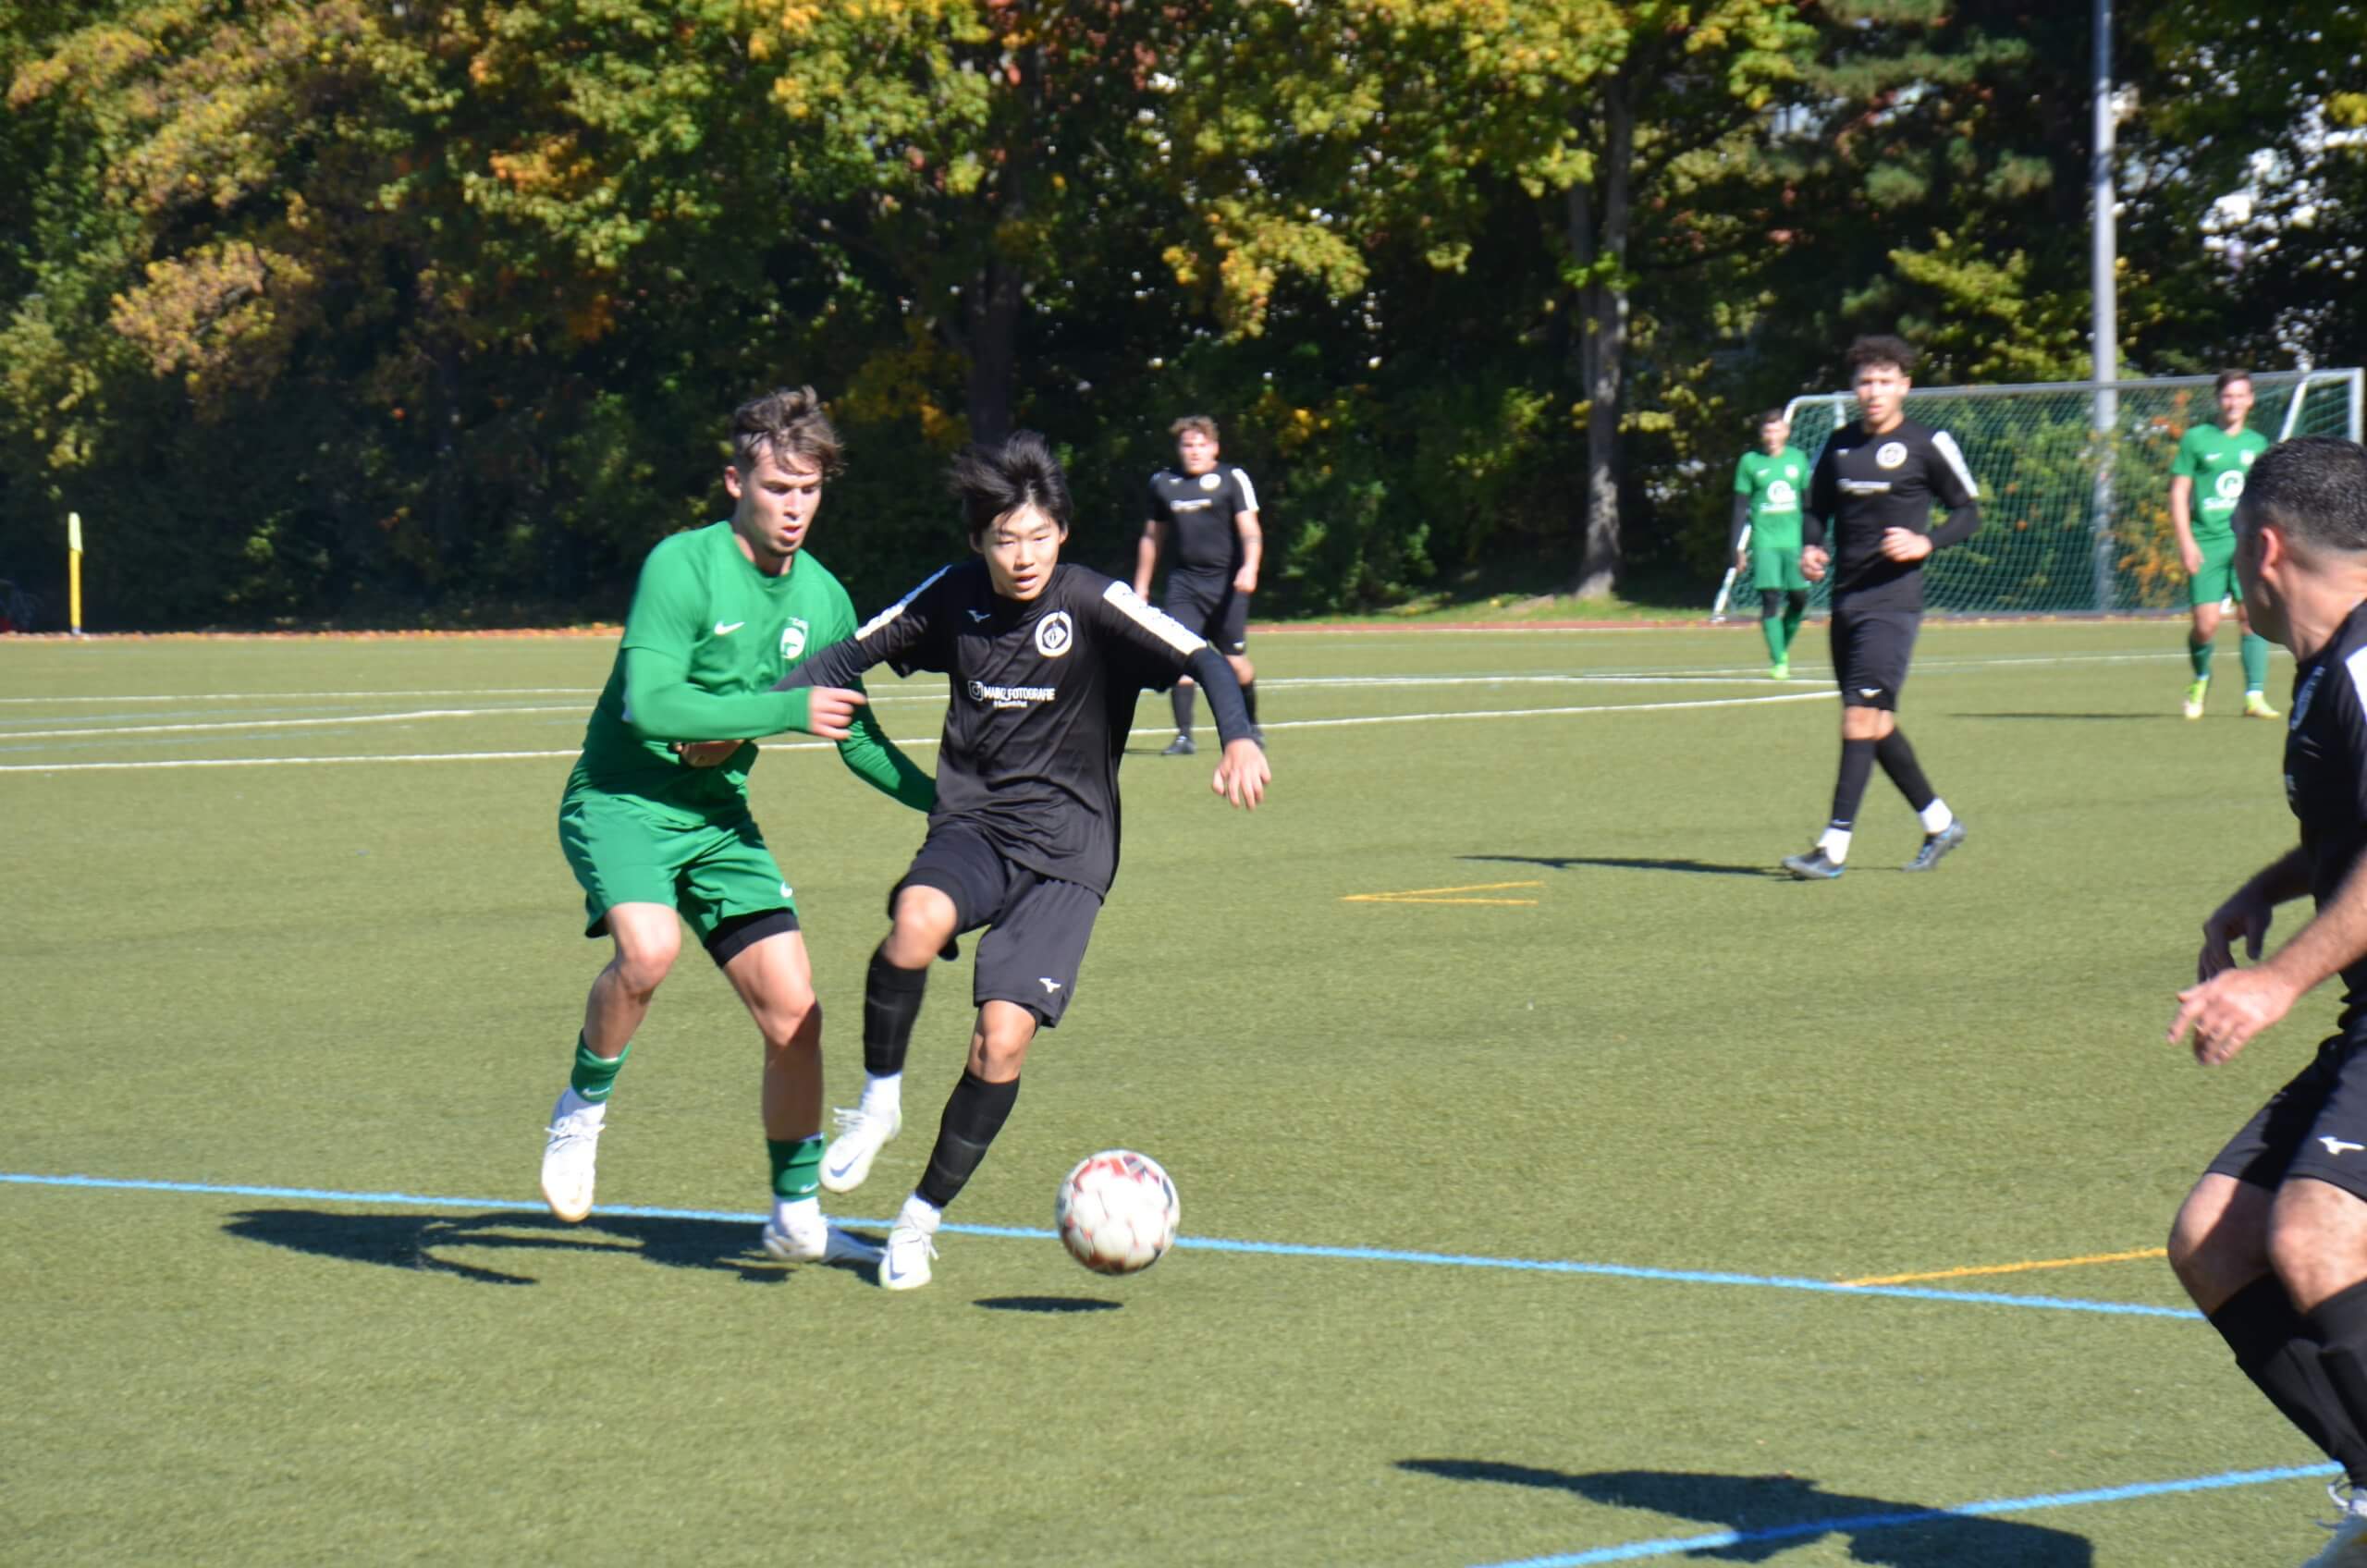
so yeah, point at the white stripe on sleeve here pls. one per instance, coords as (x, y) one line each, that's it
(1248, 491)
(1158, 623)
(887, 616)
(1945, 445)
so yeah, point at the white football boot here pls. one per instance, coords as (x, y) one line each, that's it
(911, 1245)
(568, 1157)
(820, 1242)
(862, 1132)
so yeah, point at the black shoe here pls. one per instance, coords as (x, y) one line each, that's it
(1935, 845)
(1180, 747)
(1813, 866)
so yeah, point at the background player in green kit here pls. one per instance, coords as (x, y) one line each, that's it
(2206, 480)
(1767, 501)
(654, 822)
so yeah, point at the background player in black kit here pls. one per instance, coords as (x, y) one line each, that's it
(1876, 481)
(1211, 509)
(1047, 660)
(2272, 1243)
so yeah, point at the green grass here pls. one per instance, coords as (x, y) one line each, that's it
(363, 977)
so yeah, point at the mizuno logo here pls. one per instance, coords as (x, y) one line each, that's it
(978, 615)
(1051, 985)
(2336, 1146)
(1870, 690)
(723, 631)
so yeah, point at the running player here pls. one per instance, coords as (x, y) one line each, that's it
(1877, 480)
(1046, 660)
(1213, 509)
(2213, 460)
(1767, 503)
(2272, 1242)
(654, 822)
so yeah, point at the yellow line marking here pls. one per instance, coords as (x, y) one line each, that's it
(2013, 1268)
(1431, 895)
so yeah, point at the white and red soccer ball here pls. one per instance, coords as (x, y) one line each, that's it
(1116, 1212)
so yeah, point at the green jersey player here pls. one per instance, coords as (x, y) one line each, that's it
(2206, 480)
(1768, 485)
(654, 820)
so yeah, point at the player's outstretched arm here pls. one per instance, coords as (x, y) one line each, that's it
(662, 704)
(2230, 1005)
(878, 762)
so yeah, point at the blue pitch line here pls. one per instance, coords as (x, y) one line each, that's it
(1635, 1551)
(1199, 1243)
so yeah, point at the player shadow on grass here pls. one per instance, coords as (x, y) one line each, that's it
(421, 1241)
(1771, 1514)
(1627, 862)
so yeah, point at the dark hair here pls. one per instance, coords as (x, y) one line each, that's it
(992, 482)
(1200, 423)
(2227, 378)
(1879, 350)
(2314, 490)
(1773, 416)
(787, 425)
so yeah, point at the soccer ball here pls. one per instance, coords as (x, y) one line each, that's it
(1116, 1212)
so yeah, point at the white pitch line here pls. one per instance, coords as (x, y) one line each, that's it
(314, 696)
(930, 740)
(243, 724)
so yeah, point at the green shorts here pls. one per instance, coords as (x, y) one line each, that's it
(2217, 580)
(624, 852)
(1776, 569)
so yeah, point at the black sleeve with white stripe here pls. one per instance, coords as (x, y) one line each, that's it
(1172, 647)
(891, 636)
(1952, 482)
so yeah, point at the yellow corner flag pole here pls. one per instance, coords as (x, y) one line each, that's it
(74, 571)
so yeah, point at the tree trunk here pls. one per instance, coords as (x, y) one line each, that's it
(1601, 246)
(995, 301)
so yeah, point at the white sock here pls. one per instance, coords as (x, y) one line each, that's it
(883, 1091)
(572, 1104)
(1835, 844)
(919, 1211)
(796, 1214)
(1936, 816)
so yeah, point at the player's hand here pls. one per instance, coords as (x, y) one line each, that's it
(1742, 560)
(1243, 775)
(1904, 544)
(2192, 556)
(1142, 589)
(1813, 561)
(2226, 1012)
(829, 713)
(706, 753)
(1244, 582)
(2246, 916)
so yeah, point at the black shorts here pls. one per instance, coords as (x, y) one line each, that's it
(2315, 1126)
(1206, 604)
(1870, 648)
(1038, 926)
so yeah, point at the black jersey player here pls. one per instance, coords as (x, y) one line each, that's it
(1208, 514)
(2272, 1242)
(1046, 660)
(1876, 483)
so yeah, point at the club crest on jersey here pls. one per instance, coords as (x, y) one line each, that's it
(1209, 480)
(1782, 496)
(792, 639)
(2230, 484)
(1054, 634)
(1890, 454)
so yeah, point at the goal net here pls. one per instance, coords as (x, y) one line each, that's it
(2072, 521)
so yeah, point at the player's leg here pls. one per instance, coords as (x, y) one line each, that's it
(1027, 972)
(1770, 631)
(1231, 634)
(1190, 601)
(2253, 649)
(2205, 591)
(1777, 571)
(1869, 663)
(954, 885)
(628, 880)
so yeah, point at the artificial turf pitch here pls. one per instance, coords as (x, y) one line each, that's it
(1500, 976)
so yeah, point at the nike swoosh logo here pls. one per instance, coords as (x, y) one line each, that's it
(723, 631)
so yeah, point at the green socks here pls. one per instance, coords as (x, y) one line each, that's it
(2254, 652)
(592, 1077)
(2199, 656)
(797, 1167)
(1778, 632)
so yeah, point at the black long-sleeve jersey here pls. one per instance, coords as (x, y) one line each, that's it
(1041, 697)
(1864, 484)
(1199, 511)
(2325, 773)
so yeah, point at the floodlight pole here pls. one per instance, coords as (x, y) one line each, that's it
(2104, 284)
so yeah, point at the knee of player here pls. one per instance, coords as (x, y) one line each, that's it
(2315, 1243)
(1242, 670)
(643, 963)
(791, 1022)
(923, 924)
(1004, 1033)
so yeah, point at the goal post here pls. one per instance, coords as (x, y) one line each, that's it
(2052, 539)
